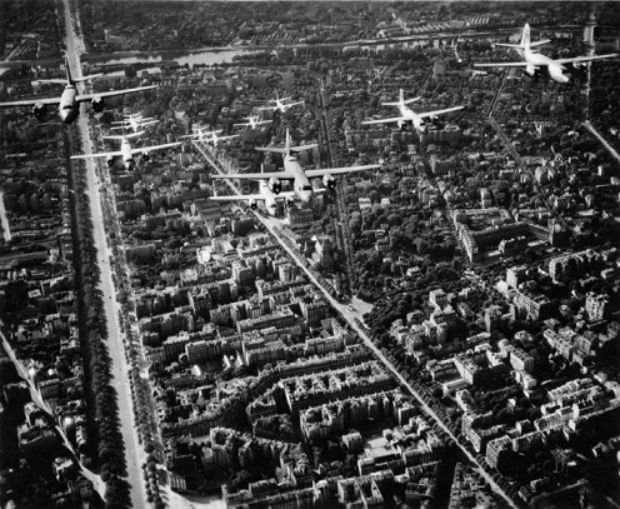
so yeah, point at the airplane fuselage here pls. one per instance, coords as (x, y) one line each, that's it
(269, 198)
(411, 116)
(301, 184)
(537, 60)
(68, 107)
(126, 155)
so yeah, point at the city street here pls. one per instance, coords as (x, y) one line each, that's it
(133, 451)
(350, 316)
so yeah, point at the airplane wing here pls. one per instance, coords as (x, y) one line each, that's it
(427, 114)
(142, 150)
(98, 154)
(112, 93)
(289, 105)
(585, 59)
(242, 125)
(340, 171)
(301, 148)
(266, 108)
(31, 102)
(384, 120)
(237, 197)
(280, 175)
(503, 64)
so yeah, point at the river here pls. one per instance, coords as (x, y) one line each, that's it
(208, 58)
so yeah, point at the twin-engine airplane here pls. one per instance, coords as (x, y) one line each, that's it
(70, 100)
(534, 62)
(212, 137)
(295, 173)
(265, 195)
(253, 121)
(279, 104)
(126, 152)
(408, 116)
(134, 121)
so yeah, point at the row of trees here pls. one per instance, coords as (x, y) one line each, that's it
(448, 415)
(142, 401)
(104, 422)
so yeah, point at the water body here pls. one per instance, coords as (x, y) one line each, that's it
(208, 58)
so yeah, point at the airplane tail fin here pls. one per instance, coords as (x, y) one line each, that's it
(525, 42)
(121, 136)
(135, 135)
(86, 78)
(273, 150)
(53, 81)
(301, 148)
(525, 37)
(401, 100)
(68, 71)
(412, 100)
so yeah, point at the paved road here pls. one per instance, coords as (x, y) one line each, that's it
(134, 453)
(271, 224)
(600, 138)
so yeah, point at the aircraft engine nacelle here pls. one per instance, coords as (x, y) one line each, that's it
(110, 161)
(401, 124)
(39, 110)
(329, 182)
(579, 65)
(145, 156)
(530, 70)
(253, 204)
(97, 104)
(275, 185)
(556, 74)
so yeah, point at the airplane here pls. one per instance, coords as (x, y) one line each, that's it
(211, 137)
(70, 100)
(135, 122)
(295, 173)
(253, 121)
(533, 61)
(280, 105)
(265, 194)
(126, 152)
(408, 115)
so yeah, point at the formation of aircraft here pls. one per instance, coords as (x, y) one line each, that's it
(69, 101)
(134, 122)
(211, 137)
(265, 195)
(294, 172)
(408, 116)
(126, 152)
(253, 121)
(280, 104)
(534, 62)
